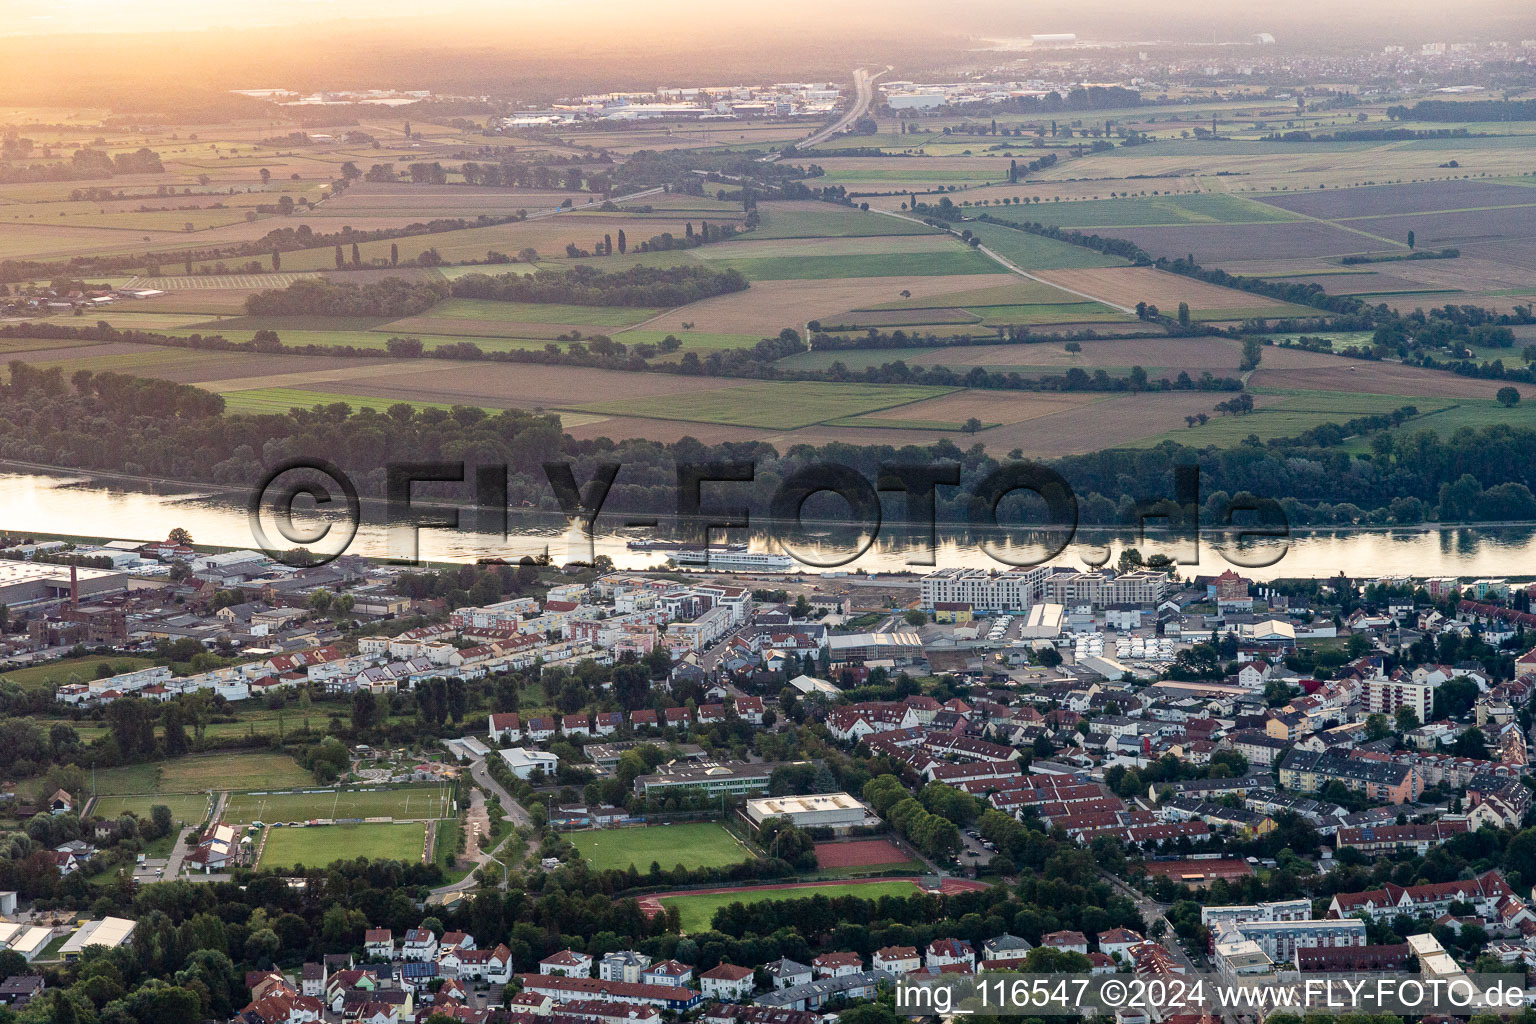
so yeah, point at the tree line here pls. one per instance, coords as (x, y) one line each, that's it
(588, 286)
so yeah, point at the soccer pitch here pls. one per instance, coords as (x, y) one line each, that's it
(702, 845)
(404, 804)
(319, 845)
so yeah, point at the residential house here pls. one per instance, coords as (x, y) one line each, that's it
(567, 963)
(834, 965)
(897, 959)
(727, 982)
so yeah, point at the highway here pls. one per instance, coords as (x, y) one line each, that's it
(863, 100)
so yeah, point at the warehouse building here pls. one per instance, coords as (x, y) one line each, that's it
(29, 583)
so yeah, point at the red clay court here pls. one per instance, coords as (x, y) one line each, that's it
(860, 853)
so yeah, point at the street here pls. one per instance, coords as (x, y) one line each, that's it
(863, 99)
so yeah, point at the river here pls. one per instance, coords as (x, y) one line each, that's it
(82, 506)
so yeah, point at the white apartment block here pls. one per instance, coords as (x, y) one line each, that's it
(1386, 694)
(1014, 590)
(1215, 918)
(1280, 939)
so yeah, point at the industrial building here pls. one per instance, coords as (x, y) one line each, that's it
(30, 583)
(820, 810)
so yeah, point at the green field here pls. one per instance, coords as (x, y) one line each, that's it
(1151, 211)
(539, 312)
(702, 845)
(696, 912)
(774, 405)
(407, 803)
(280, 400)
(202, 772)
(188, 808)
(834, 222)
(886, 264)
(1287, 414)
(320, 845)
(57, 673)
(1029, 251)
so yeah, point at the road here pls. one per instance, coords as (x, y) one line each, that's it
(1014, 268)
(863, 99)
(595, 201)
(1152, 912)
(517, 814)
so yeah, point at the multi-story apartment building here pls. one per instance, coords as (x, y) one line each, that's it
(986, 592)
(1281, 939)
(1381, 780)
(1386, 695)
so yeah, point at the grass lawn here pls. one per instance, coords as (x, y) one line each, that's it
(696, 912)
(320, 845)
(702, 845)
(771, 405)
(445, 848)
(189, 808)
(406, 803)
(201, 772)
(57, 673)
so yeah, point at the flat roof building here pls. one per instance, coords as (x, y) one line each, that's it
(820, 810)
(110, 932)
(26, 583)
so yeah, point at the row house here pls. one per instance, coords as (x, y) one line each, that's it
(562, 988)
(1484, 893)
(1384, 781)
(1394, 839)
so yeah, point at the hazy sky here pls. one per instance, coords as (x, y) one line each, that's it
(1138, 17)
(173, 55)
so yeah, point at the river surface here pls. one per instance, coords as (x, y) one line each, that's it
(70, 505)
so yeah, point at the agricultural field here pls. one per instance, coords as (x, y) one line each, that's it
(771, 405)
(319, 845)
(405, 804)
(1289, 211)
(697, 910)
(702, 845)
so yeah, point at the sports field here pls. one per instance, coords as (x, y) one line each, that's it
(860, 853)
(697, 910)
(702, 845)
(406, 804)
(320, 845)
